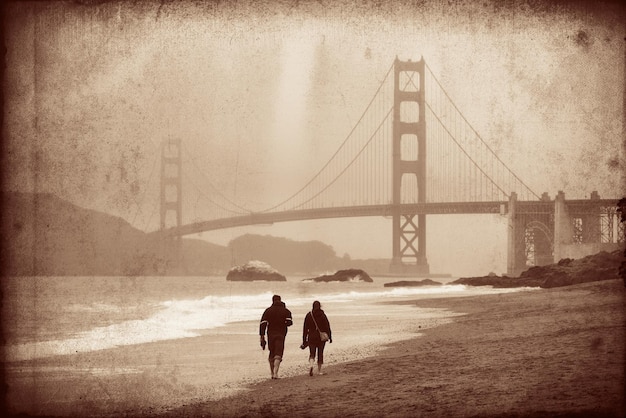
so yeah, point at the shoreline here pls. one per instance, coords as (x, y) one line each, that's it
(554, 352)
(527, 353)
(161, 375)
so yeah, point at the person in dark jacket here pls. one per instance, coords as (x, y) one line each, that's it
(311, 336)
(275, 321)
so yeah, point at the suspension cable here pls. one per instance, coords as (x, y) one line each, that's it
(475, 132)
(193, 161)
(350, 163)
(462, 149)
(338, 149)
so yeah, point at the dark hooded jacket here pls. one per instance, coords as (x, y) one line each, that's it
(275, 320)
(309, 332)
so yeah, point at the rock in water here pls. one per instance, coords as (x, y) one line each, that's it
(254, 270)
(407, 283)
(348, 275)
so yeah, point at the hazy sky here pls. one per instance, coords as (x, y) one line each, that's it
(263, 93)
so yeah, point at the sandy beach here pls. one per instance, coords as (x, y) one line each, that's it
(555, 352)
(544, 352)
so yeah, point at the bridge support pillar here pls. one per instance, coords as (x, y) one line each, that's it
(405, 232)
(409, 124)
(563, 227)
(171, 202)
(584, 228)
(591, 223)
(516, 258)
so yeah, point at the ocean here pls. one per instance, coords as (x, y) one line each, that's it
(201, 330)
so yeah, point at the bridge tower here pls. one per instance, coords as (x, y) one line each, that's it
(409, 124)
(171, 199)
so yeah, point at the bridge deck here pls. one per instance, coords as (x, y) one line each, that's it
(460, 208)
(336, 212)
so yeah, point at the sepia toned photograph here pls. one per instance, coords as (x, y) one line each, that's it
(285, 208)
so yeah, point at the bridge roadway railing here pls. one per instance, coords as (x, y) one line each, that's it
(386, 210)
(590, 206)
(574, 206)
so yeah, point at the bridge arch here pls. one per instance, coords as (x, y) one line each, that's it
(538, 243)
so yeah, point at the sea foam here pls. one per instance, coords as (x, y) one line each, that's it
(186, 318)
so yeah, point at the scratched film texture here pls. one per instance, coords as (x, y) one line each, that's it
(262, 91)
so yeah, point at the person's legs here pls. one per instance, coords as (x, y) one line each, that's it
(277, 360)
(311, 358)
(320, 357)
(270, 359)
(279, 348)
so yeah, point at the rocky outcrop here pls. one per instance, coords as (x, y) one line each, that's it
(495, 281)
(254, 270)
(348, 275)
(412, 283)
(601, 266)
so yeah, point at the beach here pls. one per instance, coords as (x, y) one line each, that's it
(542, 352)
(553, 352)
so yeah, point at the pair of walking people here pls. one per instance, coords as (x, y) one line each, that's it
(275, 321)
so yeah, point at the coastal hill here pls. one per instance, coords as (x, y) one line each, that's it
(42, 234)
(285, 255)
(47, 236)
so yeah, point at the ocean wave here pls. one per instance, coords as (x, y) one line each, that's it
(186, 318)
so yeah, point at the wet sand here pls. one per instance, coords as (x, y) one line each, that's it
(552, 352)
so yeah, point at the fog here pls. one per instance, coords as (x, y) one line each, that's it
(263, 93)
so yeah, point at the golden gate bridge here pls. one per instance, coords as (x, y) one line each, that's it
(411, 154)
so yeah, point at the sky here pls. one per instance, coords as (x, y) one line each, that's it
(262, 94)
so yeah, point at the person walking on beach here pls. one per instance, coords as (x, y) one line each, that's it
(275, 321)
(315, 323)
